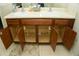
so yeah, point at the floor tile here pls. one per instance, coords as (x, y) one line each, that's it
(62, 51)
(45, 50)
(40, 50)
(30, 50)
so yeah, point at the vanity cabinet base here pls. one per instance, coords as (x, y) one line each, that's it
(42, 30)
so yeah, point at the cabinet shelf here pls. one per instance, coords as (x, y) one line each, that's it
(44, 34)
(30, 33)
(60, 32)
(14, 31)
(30, 37)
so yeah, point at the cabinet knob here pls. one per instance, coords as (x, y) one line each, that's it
(49, 28)
(0, 33)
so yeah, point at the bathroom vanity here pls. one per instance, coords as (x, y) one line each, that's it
(41, 28)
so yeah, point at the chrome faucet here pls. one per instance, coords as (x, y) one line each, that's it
(36, 7)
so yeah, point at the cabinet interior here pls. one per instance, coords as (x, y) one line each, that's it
(14, 31)
(60, 32)
(30, 33)
(44, 34)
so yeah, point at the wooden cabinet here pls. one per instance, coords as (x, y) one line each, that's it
(17, 31)
(53, 40)
(13, 22)
(36, 21)
(71, 23)
(42, 30)
(34, 29)
(62, 22)
(69, 37)
(21, 37)
(6, 37)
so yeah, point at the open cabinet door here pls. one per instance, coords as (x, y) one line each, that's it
(69, 37)
(6, 37)
(53, 40)
(21, 37)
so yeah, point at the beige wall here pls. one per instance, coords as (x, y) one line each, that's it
(75, 49)
(4, 10)
(71, 7)
(47, 4)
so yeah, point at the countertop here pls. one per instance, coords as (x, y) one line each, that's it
(55, 13)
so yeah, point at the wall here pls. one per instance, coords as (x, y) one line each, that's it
(60, 5)
(46, 4)
(4, 10)
(75, 48)
(70, 7)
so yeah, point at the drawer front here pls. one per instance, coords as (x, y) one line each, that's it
(36, 21)
(13, 22)
(71, 23)
(62, 22)
(65, 22)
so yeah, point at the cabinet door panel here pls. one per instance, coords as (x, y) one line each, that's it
(53, 40)
(21, 37)
(6, 37)
(69, 37)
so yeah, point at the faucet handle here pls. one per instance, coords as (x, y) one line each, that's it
(50, 9)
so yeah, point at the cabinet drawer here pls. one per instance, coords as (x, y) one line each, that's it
(61, 22)
(36, 21)
(12, 21)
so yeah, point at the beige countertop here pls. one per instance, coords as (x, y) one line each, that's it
(44, 13)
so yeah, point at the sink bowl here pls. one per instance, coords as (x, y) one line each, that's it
(43, 9)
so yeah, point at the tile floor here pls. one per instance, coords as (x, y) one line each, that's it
(40, 50)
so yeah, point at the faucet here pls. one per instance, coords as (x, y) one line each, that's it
(50, 9)
(41, 4)
(36, 7)
(17, 5)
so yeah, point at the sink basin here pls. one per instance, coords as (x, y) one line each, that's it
(44, 9)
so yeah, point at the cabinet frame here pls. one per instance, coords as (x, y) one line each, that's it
(37, 22)
(41, 22)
